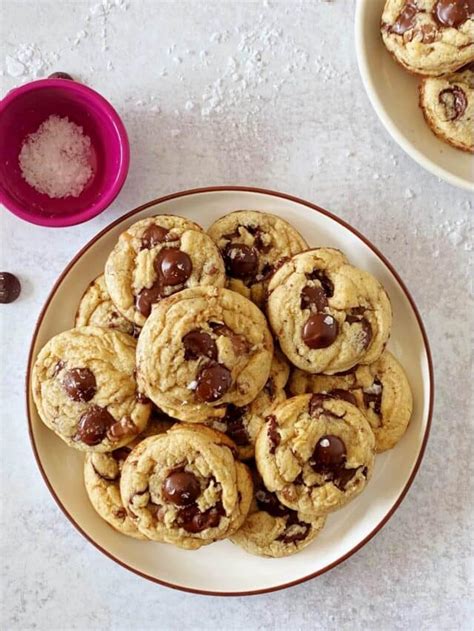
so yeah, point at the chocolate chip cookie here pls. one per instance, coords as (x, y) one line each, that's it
(448, 107)
(328, 315)
(274, 530)
(253, 245)
(242, 424)
(202, 349)
(85, 390)
(157, 257)
(429, 37)
(186, 487)
(102, 473)
(96, 308)
(316, 453)
(380, 390)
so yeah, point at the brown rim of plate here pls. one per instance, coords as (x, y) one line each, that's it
(244, 189)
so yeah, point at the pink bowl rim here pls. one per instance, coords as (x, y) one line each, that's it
(124, 159)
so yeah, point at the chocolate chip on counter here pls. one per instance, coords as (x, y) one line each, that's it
(93, 425)
(174, 266)
(10, 287)
(213, 381)
(198, 343)
(272, 431)
(181, 488)
(153, 235)
(320, 330)
(241, 261)
(79, 384)
(60, 75)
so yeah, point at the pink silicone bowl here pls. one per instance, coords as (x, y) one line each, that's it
(22, 111)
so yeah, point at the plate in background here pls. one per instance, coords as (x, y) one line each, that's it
(223, 568)
(393, 93)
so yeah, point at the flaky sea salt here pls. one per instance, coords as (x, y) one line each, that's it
(56, 158)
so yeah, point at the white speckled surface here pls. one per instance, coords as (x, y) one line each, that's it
(265, 94)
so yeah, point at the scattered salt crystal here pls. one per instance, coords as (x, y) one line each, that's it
(192, 385)
(324, 442)
(409, 194)
(375, 388)
(56, 159)
(328, 320)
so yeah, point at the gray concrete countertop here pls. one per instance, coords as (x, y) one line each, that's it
(254, 93)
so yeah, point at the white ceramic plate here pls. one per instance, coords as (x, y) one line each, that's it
(224, 568)
(394, 96)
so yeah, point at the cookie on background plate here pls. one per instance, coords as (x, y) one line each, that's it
(429, 37)
(85, 390)
(102, 473)
(315, 453)
(242, 424)
(253, 245)
(448, 107)
(273, 530)
(96, 308)
(380, 390)
(328, 315)
(202, 349)
(157, 257)
(186, 487)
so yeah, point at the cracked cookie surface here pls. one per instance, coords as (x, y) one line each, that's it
(102, 473)
(448, 107)
(380, 390)
(316, 453)
(85, 390)
(274, 530)
(157, 257)
(327, 314)
(253, 245)
(186, 487)
(242, 424)
(429, 37)
(202, 349)
(96, 308)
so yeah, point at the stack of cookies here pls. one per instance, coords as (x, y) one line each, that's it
(435, 39)
(228, 384)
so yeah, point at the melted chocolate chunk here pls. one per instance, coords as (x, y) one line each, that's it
(57, 369)
(406, 19)
(80, 384)
(320, 330)
(272, 431)
(326, 284)
(194, 521)
(60, 75)
(241, 261)
(147, 297)
(453, 13)
(329, 453)
(373, 398)
(289, 535)
(270, 503)
(197, 344)
(316, 401)
(345, 395)
(10, 287)
(239, 342)
(257, 233)
(124, 427)
(181, 488)
(153, 235)
(313, 298)
(343, 477)
(93, 425)
(235, 425)
(156, 510)
(454, 101)
(213, 381)
(173, 266)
